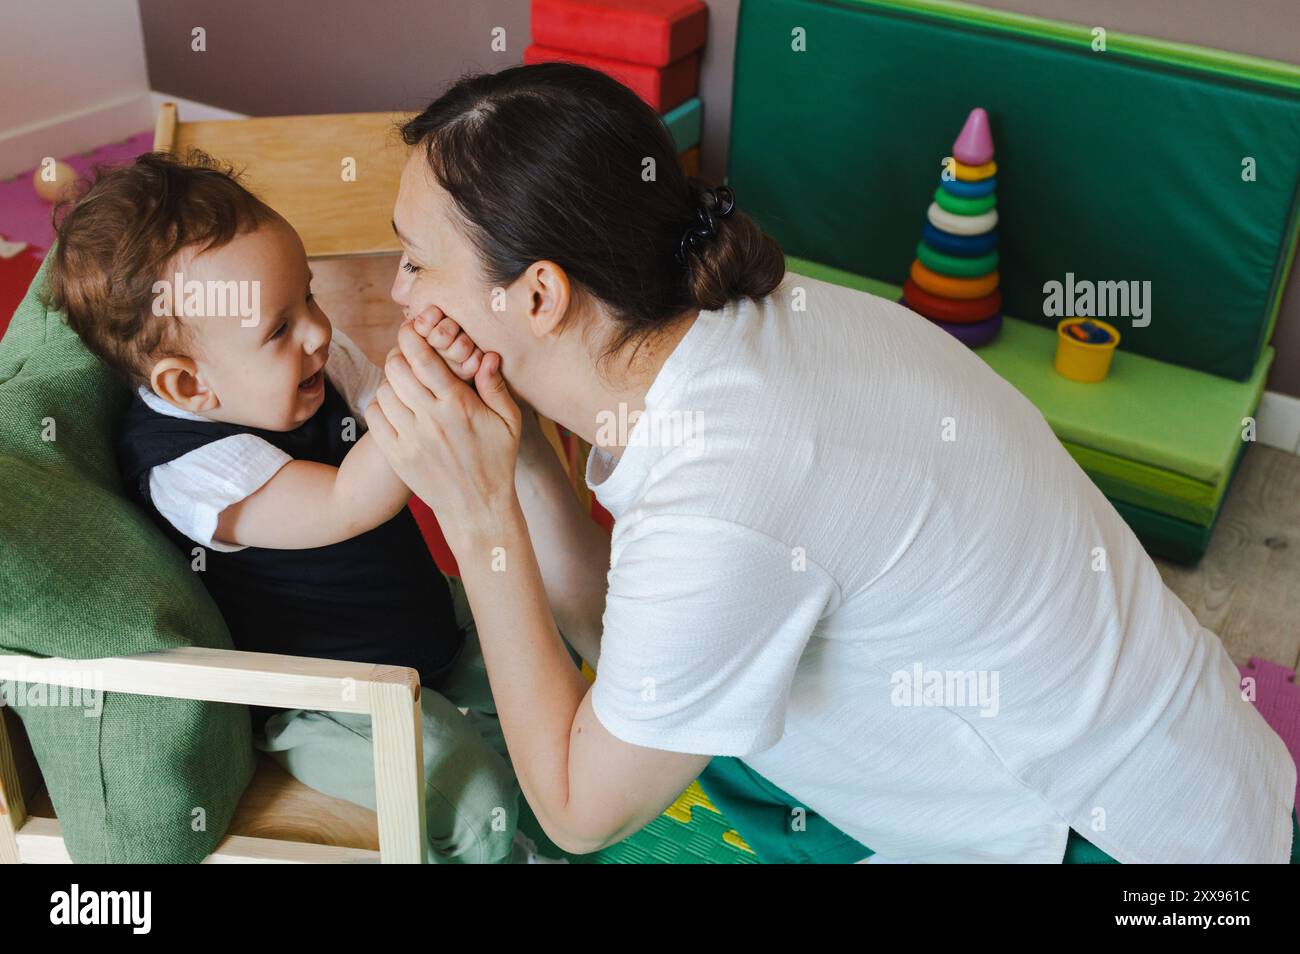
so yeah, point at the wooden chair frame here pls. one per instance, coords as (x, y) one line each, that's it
(390, 695)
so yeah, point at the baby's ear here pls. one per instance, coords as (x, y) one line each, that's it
(177, 381)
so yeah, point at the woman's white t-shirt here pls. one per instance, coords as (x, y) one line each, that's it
(849, 553)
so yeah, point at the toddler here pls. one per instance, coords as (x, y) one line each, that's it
(244, 440)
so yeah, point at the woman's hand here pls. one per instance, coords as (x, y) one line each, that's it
(454, 445)
(572, 550)
(464, 357)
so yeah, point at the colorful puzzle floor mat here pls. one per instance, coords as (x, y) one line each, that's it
(693, 831)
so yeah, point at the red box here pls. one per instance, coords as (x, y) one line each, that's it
(648, 32)
(663, 87)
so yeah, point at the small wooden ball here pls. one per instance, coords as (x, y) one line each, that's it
(52, 190)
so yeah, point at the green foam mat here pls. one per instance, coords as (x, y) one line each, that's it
(1167, 505)
(1169, 537)
(1175, 419)
(1169, 431)
(665, 840)
(1150, 487)
(1123, 166)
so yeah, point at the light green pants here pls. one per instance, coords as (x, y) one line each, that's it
(471, 794)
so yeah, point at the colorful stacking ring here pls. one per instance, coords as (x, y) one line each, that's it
(975, 333)
(973, 173)
(969, 190)
(958, 205)
(955, 265)
(946, 286)
(962, 224)
(963, 245)
(964, 310)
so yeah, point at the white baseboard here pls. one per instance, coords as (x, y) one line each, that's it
(1278, 421)
(23, 148)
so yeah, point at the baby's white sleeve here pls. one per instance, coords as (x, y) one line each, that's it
(356, 378)
(192, 490)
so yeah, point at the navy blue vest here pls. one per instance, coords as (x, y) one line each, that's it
(377, 598)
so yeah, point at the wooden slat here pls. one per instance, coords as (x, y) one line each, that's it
(41, 842)
(164, 133)
(399, 774)
(13, 808)
(221, 675)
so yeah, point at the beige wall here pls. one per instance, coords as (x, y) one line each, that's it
(73, 78)
(325, 56)
(335, 56)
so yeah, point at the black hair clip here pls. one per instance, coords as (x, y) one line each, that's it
(721, 201)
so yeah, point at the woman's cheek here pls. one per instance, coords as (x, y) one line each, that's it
(483, 325)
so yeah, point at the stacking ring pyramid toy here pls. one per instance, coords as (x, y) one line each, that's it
(954, 278)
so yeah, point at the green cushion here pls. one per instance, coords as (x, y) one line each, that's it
(1176, 419)
(1165, 536)
(1169, 537)
(85, 574)
(1185, 422)
(1169, 462)
(1111, 166)
(1150, 487)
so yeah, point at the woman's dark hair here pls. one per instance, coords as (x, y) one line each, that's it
(552, 162)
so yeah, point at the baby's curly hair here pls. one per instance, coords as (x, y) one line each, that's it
(118, 234)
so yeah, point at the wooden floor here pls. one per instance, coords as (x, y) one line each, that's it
(1246, 588)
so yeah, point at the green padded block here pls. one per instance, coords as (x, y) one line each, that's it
(1150, 487)
(1164, 536)
(1169, 537)
(1023, 355)
(1175, 419)
(683, 123)
(1112, 167)
(1172, 419)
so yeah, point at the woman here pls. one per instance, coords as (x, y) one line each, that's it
(845, 551)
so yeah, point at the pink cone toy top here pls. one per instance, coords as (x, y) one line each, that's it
(974, 145)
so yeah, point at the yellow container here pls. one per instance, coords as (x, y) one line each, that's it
(1080, 361)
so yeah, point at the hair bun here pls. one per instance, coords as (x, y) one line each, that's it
(718, 204)
(726, 254)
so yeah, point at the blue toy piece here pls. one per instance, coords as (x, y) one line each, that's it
(1088, 333)
(969, 190)
(961, 245)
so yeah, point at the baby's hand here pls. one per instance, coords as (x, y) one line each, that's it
(446, 338)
